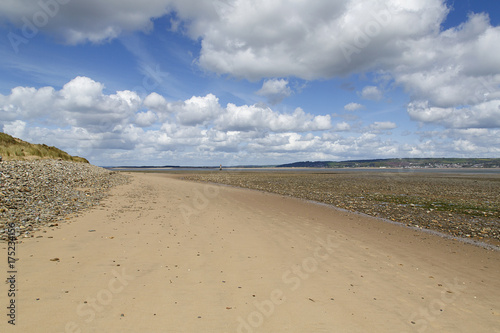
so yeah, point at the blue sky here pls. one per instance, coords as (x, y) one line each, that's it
(164, 82)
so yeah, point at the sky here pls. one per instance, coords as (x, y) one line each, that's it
(252, 82)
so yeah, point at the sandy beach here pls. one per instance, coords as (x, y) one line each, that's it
(161, 254)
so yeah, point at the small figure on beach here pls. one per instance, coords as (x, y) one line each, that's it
(220, 167)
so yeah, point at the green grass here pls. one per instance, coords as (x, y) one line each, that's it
(15, 149)
(440, 205)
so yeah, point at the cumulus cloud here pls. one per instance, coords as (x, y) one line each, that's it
(197, 110)
(81, 102)
(252, 39)
(455, 67)
(402, 40)
(310, 40)
(286, 142)
(256, 117)
(342, 127)
(353, 106)
(371, 93)
(26, 101)
(156, 102)
(88, 121)
(16, 128)
(482, 115)
(457, 142)
(383, 125)
(145, 119)
(81, 21)
(275, 90)
(313, 39)
(462, 86)
(452, 76)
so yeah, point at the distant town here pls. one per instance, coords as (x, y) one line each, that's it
(409, 163)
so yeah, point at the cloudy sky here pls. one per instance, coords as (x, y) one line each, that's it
(204, 82)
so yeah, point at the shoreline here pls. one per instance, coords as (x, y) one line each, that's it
(469, 241)
(305, 169)
(439, 202)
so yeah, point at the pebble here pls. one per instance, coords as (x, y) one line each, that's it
(42, 193)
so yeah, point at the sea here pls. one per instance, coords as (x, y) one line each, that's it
(484, 171)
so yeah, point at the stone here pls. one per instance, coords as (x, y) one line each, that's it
(36, 194)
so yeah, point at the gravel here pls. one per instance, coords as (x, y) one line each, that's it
(466, 206)
(41, 193)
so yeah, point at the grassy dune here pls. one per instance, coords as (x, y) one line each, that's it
(15, 149)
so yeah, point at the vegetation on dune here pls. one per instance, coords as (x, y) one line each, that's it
(12, 148)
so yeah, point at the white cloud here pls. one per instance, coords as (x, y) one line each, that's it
(383, 125)
(16, 128)
(371, 93)
(77, 141)
(353, 106)
(197, 110)
(458, 142)
(156, 102)
(285, 142)
(200, 131)
(456, 68)
(26, 101)
(81, 103)
(255, 118)
(482, 115)
(145, 119)
(401, 40)
(342, 127)
(275, 90)
(255, 39)
(81, 21)
(89, 122)
(454, 77)
(81, 92)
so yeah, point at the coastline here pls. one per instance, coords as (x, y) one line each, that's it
(308, 169)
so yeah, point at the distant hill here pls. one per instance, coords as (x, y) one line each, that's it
(12, 148)
(402, 163)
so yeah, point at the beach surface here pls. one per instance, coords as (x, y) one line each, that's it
(161, 254)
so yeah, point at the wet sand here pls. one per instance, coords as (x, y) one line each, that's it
(464, 205)
(166, 255)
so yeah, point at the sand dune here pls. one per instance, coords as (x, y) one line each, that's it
(166, 255)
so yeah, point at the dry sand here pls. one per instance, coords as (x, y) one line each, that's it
(166, 255)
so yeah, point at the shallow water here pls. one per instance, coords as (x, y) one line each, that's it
(321, 170)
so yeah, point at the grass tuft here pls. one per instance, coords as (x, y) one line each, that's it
(12, 148)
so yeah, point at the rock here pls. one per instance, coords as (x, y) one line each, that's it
(39, 193)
